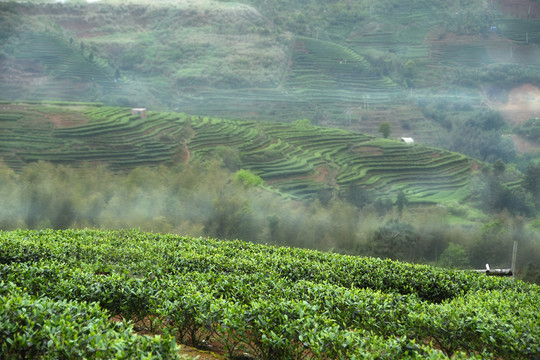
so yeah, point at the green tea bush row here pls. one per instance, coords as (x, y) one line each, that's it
(284, 323)
(276, 327)
(133, 249)
(266, 301)
(484, 322)
(7, 116)
(61, 329)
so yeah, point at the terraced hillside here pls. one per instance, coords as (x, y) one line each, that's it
(298, 160)
(325, 81)
(341, 63)
(335, 73)
(59, 69)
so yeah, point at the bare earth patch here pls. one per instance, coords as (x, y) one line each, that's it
(369, 150)
(199, 354)
(523, 145)
(523, 104)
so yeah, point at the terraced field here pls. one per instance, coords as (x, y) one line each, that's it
(329, 73)
(71, 72)
(519, 31)
(473, 55)
(297, 160)
(321, 72)
(323, 80)
(100, 134)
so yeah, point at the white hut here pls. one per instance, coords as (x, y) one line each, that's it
(407, 140)
(139, 111)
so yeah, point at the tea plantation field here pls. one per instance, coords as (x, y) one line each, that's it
(298, 160)
(93, 294)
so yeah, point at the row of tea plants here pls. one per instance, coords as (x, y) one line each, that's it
(253, 300)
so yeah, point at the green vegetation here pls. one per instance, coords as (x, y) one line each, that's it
(247, 178)
(184, 174)
(199, 199)
(385, 129)
(259, 300)
(299, 160)
(530, 130)
(346, 64)
(293, 75)
(44, 328)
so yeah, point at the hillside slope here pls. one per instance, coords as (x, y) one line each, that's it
(155, 48)
(344, 64)
(299, 160)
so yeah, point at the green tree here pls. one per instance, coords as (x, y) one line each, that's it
(273, 226)
(454, 256)
(231, 218)
(248, 179)
(496, 196)
(499, 167)
(531, 182)
(480, 137)
(401, 201)
(303, 125)
(11, 211)
(358, 195)
(385, 129)
(394, 240)
(325, 196)
(532, 175)
(493, 246)
(382, 206)
(409, 68)
(64, 215)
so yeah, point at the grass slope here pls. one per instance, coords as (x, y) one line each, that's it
(299, 160)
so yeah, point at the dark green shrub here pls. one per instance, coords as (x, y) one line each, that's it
(48, 329)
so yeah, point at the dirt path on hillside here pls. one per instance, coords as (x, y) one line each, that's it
(188, 152)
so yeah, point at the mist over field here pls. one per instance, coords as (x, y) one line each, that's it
(211, 201)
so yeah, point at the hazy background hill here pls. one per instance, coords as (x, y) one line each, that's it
(429, 68)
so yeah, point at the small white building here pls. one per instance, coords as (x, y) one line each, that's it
(139, 111)
(407, 140)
